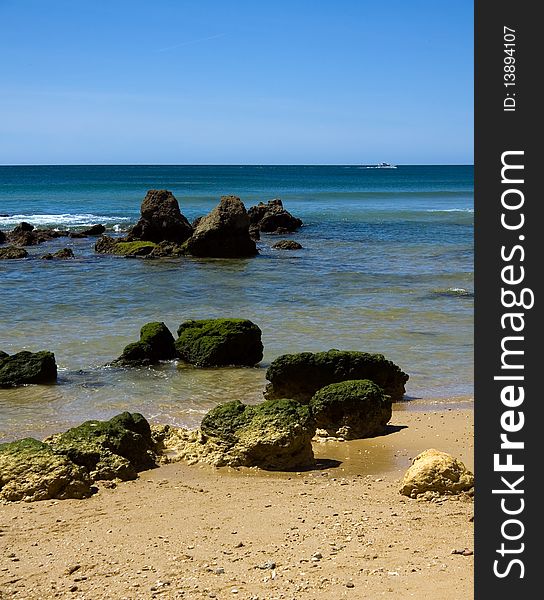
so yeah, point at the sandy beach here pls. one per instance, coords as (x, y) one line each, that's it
(184, 531)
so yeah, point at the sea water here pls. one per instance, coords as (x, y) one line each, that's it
(386, 266)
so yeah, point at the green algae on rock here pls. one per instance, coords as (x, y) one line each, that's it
(299, 376)
(30, 471)
(136, 248)
(117, 448)
(220, 342)
(12, 252)
(27, 367)
(274, 435)
(351, 409)
(156, 343)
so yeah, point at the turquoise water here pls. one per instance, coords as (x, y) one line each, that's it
(387, 266)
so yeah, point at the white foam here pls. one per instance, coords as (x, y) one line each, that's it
(75, 220)
(440, 210)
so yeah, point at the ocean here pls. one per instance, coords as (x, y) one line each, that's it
(386, 266)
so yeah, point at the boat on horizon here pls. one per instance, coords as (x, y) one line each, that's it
(382, 165)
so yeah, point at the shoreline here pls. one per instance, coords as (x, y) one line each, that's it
(183, 531)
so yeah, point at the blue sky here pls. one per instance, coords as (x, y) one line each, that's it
(215, 82)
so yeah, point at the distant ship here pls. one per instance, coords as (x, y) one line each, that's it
(382, 165)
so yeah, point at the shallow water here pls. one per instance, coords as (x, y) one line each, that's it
(387, 266)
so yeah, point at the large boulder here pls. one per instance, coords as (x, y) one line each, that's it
(156, 343)
(275, 435)
(30, 470)
(273, 218)
(351, 409)
(299, 376)
(224, 233)
(436, 473)
(27, 367)
(220, 342)
(161, 220)
(10, 252)
(114, 449)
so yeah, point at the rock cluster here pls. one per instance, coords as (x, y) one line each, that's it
(27, 367)
(436, 473)
(300, 376)
(66, 465)
(273, 218)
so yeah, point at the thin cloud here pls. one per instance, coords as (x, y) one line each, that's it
(190, 42)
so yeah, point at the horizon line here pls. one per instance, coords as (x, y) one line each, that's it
(229, 164)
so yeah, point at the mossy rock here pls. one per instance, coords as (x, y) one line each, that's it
(156, 343)
(220, 342)
(12, 252)
(351, 409)
(299, 376)
(274, 435)
(118, 448)
(137, 248)
(30, 470)
(27, 367)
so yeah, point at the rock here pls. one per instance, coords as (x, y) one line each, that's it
(156, 343)
(64, 253)
(27, 367)
(275, 435)
(9, 252)
(220, 342)
(2, 237)
(299, 376)
(94, 230)
(273, 218)
(167, 249)
(254, 232)
(437, 473)
(30, 470)
(287, 245)
(77, 235)
(25, 234)
(351, 409)
(118, 448)
(224, 233)
(161, 220)
(106, 244)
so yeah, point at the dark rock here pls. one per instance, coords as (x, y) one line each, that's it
(94, 230)
(12, 252)
(25, 234)
(118, 448)
(273, 435)
(106, 244)
(2, 237)
(351, 409)
(161, 220)
(156, 343)
(287, 245)
(197, 221)
(299, 376)
(27, 367)
(220, 342)
(23, 226)
(30, 471)
(77, 235)
(273, 218)
(224, 233)
(62, 254)
(254, 232)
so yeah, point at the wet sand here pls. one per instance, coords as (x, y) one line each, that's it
(179, 531)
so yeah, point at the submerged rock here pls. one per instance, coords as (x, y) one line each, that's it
(11, 252)
(436, 473)
(118, 448)
(224, 233)
(287, 245)
(220, 342)
(161, 220)
(156, 343)
(27, 367)
(60, 254)
(274, 435)
(351, 409)
(299, 376)
(30, 471)
(273, 218)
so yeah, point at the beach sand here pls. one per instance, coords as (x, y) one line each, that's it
(184, 531)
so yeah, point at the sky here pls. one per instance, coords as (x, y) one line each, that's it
(216, 82)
